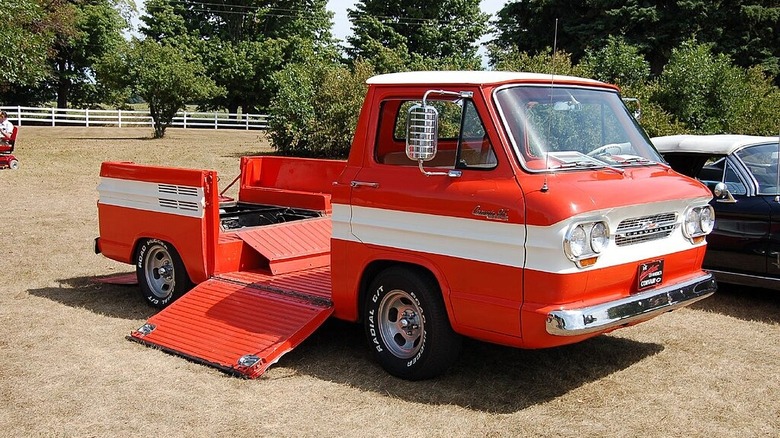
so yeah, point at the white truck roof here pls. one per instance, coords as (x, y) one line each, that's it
(478, 77)
(710, 144)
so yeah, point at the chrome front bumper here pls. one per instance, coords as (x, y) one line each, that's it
(645, 305)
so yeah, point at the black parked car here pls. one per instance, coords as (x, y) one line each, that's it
(742, 172)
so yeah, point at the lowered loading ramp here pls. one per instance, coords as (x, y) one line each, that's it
(242, 322)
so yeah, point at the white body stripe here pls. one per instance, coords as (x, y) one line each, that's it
(158, 197)
(473, 239)
(502, 243)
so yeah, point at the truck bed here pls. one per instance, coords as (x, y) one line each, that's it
(237, 215)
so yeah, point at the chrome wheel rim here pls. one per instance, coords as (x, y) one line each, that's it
(401, 324)
(158, 269)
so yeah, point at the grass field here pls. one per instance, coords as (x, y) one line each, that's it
(66, 368)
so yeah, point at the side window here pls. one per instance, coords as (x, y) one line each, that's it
(713, 172)
(462, 141)
(761, 161)
(474, 146)
(733, 182)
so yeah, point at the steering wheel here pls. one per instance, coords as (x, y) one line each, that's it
(607, 149)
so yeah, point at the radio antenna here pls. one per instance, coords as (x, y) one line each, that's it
(545, 188)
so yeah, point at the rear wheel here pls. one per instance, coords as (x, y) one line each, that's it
(161, 273)
(14, 164)
(407, 326)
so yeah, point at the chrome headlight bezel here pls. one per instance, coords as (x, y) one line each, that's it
(586, 239)
(698, 221)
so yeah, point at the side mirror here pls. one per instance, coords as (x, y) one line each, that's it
(722, 193)
(422, 132)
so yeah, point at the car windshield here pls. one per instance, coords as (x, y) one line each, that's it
(558, 127)
(761, 161)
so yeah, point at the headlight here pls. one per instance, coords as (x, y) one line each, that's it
(691, 225)
(599, 237)
(585, 241)
(698, 222)
(576, 241)
(707, 219)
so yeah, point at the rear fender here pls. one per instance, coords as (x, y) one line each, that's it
(178, 206)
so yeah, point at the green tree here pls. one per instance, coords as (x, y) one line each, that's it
(165, 76)
(746, 30)
(617, 63)
(416, 30)
(94, 29)
(544, 62)
(749, 32)
(26, 37)
(243, 42)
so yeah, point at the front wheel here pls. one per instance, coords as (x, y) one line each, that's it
(407, 326)
(161, 273)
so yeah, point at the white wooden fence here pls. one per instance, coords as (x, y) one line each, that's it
(20, 115)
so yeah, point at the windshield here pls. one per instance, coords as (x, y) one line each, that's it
(761, 161)
(572, 128)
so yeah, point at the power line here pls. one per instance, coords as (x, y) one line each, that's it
(292, 13)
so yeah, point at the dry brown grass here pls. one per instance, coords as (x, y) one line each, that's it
(67, 370)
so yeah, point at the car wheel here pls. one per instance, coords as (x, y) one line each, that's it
(13, 164)
(407, 326)
(161, 273)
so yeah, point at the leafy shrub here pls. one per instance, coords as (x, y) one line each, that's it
(710, 95)
(316, 107)
(617, 63)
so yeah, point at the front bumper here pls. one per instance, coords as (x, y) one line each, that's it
(639, 307)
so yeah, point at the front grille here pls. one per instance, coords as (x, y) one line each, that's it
(645, 228)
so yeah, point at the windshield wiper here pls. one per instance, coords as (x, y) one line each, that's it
(587, 164)
(634, 160)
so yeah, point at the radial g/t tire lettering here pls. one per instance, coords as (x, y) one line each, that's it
(161, 273)
(407, 326)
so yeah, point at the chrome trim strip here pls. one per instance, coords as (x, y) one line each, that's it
(573, 322)
(750, 280)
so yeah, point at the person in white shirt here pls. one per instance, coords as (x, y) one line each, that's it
(6, 128)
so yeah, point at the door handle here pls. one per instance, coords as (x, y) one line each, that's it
(373, 185)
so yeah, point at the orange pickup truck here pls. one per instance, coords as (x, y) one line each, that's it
(521, 209)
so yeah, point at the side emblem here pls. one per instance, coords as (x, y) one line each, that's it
(500, 215)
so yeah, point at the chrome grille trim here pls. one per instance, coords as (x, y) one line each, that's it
(645, 228)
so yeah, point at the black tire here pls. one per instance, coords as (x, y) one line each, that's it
(407, 326)
(161, 274)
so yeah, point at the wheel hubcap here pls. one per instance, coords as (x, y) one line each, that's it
(401, 324)
(159, 272)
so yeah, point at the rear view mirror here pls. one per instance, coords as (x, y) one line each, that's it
(633, 105)
(422, 132)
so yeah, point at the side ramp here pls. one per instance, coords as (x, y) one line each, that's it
(242, 322)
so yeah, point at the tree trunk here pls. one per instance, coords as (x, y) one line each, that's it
(63, 85)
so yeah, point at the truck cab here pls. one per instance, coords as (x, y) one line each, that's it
(541, 216)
